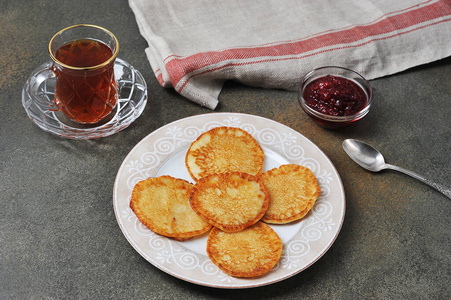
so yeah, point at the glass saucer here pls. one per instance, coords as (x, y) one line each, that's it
(38, 94)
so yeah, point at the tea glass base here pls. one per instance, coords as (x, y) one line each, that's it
(37, 99)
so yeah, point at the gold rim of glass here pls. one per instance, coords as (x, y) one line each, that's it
(113, 57)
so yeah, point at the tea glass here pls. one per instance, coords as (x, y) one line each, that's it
(83, 63)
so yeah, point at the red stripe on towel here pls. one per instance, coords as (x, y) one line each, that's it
(300, 57)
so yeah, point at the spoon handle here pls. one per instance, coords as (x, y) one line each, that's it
(442, 189)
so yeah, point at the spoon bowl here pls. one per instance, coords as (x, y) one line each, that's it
(371, 159)
(364, 155)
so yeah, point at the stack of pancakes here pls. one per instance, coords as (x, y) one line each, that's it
(232, 196)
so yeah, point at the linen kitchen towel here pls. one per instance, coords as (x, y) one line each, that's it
(195, 45)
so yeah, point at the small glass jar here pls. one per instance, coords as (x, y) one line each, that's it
(328, 117)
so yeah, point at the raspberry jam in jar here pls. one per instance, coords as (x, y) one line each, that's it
(335, 97)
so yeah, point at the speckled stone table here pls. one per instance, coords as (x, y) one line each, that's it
(59, 238)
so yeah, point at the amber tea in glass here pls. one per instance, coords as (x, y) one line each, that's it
(83, 56)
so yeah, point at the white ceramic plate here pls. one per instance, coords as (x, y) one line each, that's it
(163, 153)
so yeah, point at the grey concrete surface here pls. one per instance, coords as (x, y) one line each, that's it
(59, 238)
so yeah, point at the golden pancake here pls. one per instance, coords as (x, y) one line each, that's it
(222, 150)
(230, 201)
(293, 190)
(247, 253)
(162, 204)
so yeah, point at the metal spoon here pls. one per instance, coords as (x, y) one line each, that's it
(371, 159)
